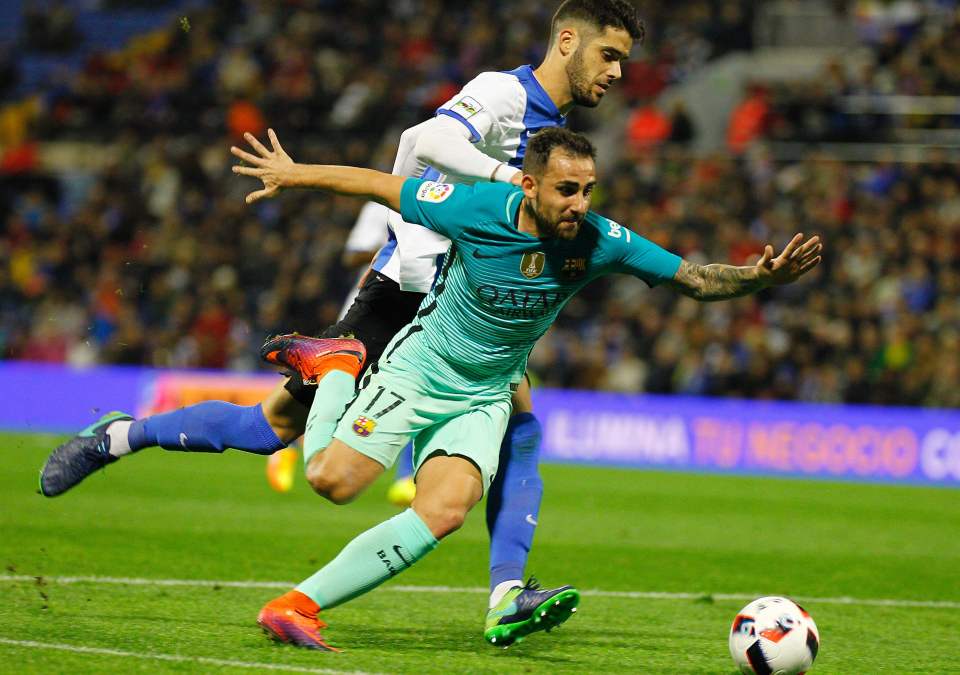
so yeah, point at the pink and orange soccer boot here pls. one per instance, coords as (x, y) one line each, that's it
(313, 357)
(292, 618)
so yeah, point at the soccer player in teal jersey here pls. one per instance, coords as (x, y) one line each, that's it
(518, 255)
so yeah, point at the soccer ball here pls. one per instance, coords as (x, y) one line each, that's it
(774, 636)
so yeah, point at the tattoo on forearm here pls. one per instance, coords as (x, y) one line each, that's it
(716, 282)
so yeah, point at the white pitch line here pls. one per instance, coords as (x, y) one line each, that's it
(398, 588)
(227, 663)
(135, 581)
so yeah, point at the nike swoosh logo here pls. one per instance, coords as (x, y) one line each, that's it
(530, 519)
(397, 549)
(183, 439)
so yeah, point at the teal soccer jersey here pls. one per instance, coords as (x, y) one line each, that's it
(500, 289)
(443, 379)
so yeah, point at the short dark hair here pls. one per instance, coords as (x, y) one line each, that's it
(600, 14)
(541, 144)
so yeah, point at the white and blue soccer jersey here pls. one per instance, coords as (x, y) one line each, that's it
(500, 110)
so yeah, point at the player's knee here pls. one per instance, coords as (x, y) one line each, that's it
(331, 490)
(340, 494)
(330, 483)
(440, 518)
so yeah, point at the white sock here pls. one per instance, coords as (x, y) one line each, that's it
(501, 590)
(119, 441)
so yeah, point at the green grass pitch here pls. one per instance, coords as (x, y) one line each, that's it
(161, 515)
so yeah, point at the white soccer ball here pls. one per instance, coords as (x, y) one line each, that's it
(774, 636)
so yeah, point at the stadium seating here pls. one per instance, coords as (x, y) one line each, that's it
(125, 238)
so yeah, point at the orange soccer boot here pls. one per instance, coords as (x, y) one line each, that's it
(292, 618)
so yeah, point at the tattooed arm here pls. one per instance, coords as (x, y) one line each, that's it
(720, 282)
(716, 282)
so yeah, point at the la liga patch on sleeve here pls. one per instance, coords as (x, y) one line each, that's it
(434, 192)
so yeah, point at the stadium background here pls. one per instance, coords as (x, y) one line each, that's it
(132, 275)
(126, 241)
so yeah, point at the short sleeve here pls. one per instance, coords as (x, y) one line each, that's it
(484, 102)
(441, 207)
(640, 257)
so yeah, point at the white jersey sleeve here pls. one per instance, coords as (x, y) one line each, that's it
(499, 110)
(492, 107)
(445, 145)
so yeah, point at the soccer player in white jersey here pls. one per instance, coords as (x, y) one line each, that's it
(479, 135)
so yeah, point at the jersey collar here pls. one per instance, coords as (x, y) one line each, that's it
(513, 208)
(536, 94)
(543, 98)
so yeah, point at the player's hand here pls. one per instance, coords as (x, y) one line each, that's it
(274, 168)
(796, 260)
(517, 178)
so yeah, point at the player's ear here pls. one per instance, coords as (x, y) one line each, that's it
(529, 185)
(568, 39)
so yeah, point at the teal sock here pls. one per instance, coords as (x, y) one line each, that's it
(334, 391)
(370, 559)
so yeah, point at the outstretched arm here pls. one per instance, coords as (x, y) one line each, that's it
(720, 282)
(277, 171)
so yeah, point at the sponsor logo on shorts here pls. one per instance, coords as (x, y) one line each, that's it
(434, 192)
(363, 426)
(466, 107)
(531, 264)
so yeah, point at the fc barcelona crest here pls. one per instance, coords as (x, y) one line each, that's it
(531, 264)
(363, 426)
(573, 268)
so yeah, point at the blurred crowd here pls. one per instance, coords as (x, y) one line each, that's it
(915, 52)
(143, 251)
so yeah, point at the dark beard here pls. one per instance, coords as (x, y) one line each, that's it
(544, 227)
(579, 86)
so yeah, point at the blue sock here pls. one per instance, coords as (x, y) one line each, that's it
(405, 463)
(514, 500)
(211, 426)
